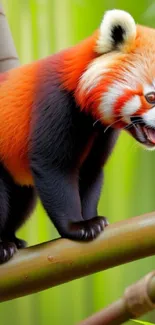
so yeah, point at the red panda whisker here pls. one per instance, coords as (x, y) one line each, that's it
(128, 126)
(112, 124)
(133, 124)
(96, 121)
(149, 127)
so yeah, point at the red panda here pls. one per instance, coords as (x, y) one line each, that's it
(59, 120)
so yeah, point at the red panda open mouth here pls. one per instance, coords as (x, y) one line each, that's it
(143, 134)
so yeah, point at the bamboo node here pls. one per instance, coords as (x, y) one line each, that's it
(136, 297)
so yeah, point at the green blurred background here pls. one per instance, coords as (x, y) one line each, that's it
(39, 28)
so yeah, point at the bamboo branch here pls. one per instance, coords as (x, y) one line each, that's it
(8, 54)
(137, 300)
(46, 265)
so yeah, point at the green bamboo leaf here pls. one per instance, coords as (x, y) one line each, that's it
(142, 322)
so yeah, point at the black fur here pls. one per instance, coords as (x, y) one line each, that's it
(117, 34)
(68, 191)
(16, 203)
(91, 173)
(68, 185)
(22, 201)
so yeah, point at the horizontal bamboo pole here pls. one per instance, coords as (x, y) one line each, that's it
(137, 300)
(49, 264)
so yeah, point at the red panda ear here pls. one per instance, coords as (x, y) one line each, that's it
(117, 32)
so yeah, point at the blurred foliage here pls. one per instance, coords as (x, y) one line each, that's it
(39, 28)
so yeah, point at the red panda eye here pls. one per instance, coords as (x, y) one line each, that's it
(150, 97)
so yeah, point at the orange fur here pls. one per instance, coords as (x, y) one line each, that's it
(76, 60)
(16, 98)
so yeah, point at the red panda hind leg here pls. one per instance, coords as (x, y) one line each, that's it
(22, 200)
(7, 248)
(16, 203)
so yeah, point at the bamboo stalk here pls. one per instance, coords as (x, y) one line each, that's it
(8, 54)
(137, 300)
(49, 264)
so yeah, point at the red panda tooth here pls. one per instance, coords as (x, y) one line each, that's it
(145, 131)
(140, 128)
(151, 135)
(140, 133)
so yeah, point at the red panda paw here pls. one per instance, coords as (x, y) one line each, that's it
(7, 250)
(20, 243)
(93, 227)
(87, 230)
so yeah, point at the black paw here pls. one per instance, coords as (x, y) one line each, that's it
(20, 243)
(87, 230)
(7, 250)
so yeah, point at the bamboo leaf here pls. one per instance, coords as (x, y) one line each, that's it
(142, 322)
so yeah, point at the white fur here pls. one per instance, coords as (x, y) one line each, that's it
(95, 72)
(153, 82)
(131, 106)
(108, 100)
(113, 18)
(149, 117)
(148, 89)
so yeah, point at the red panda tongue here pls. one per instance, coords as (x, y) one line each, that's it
(150, 134)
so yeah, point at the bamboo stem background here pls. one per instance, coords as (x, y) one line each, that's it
(8, 54)
(40, 28)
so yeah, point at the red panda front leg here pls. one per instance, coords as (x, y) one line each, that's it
(91, 174)
(58, 138)
(59, 194)
(90, 190)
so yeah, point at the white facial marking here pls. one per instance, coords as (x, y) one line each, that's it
(148, 89)
(154, 83)
(95, 72)
(149, 117)
(131, 107)
(108, 100)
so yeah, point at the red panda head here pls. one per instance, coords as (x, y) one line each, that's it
(118, 85)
